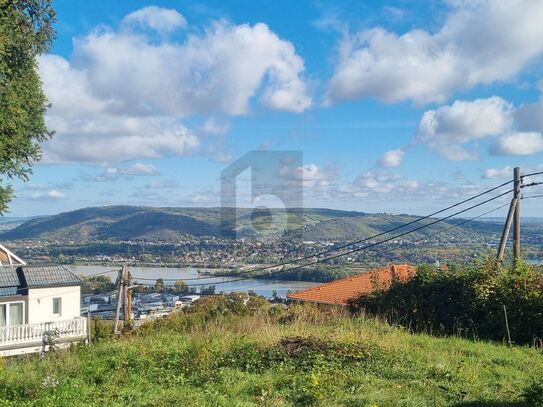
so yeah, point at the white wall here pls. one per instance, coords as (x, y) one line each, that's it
(40, 303)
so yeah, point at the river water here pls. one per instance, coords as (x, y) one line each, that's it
(192, 278)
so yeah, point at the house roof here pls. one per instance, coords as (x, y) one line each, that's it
(48, 276)
(13, 280)
(10, 284)
(7, 257)
(340, 291)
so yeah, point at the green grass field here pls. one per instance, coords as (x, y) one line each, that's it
(299, 357)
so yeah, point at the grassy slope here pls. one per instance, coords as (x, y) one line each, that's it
(239, 361)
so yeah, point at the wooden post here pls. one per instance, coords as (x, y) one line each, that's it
(120, 293)
(506, 229)
(89, 327)
(516, 227)
(507, 326)
(128, 299)
(125, 292)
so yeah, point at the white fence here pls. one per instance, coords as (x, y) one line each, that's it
(33, 333)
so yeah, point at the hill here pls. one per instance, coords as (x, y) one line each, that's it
(170, 224)
(228, 354)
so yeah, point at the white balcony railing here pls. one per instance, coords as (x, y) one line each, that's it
(34, 333)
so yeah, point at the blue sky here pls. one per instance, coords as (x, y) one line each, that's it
(399, 106)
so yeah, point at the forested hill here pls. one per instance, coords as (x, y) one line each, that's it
(170, 224)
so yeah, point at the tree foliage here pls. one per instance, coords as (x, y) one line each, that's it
(26, 31)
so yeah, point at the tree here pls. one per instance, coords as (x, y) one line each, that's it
(26, 31)
(159, 285)
(181, 287)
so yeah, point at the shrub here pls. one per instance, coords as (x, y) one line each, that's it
(533, 394)
(464, 300)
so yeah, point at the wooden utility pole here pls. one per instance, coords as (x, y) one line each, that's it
(506, 229)
(120, 295)
(124, 297)
(128, 298)
(125, 291)
(513, 217)
(516, 226)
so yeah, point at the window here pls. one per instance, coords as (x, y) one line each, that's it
(12, 313)
(3, 315)
(16, 313)
(57, 306)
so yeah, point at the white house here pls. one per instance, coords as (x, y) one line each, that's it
(39, 305)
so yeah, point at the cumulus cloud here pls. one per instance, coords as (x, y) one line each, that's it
(382, 182)
(480, 42)
(519, 144)
(136, 169)
(206, 74)
(123, 93)
(127, 171)
(448, 129)
(529, 116)
(310, 175)
(392, 158)
(507, 171)
(498, 173)
(52, 194)
(198, 198)
(88, 129)
(162, 20)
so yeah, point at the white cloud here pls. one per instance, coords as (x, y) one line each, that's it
(162, 20)
(498, 173)
(128, 171)
(448, 129)
(480, 42)
(122, 95)
(519, 144)
(136, 169)
(310, 175)
(384, 183)
(164, 184)
(219, 71)
(507, 171)
(392, 158)
(52, 194)
(530, 116)
(198, 198)
(88, 129)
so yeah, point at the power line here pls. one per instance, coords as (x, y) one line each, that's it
(532, 184)
(372, 244)
(532, 174)
(532, 196)
(100, 273)
(416, 242)
(333, 249)
(386, 249)
(177, 279)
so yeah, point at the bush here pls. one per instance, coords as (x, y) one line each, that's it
(533, 394)
(101, 329)
(465, 300)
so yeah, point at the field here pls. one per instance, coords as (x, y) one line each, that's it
(230, 355)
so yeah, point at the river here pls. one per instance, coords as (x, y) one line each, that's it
(261, 287)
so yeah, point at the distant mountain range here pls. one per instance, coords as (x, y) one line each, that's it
(171, 224)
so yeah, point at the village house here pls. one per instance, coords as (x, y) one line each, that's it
(39, 306)
(340, 291)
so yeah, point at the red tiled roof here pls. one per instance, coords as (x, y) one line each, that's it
(339, 291)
